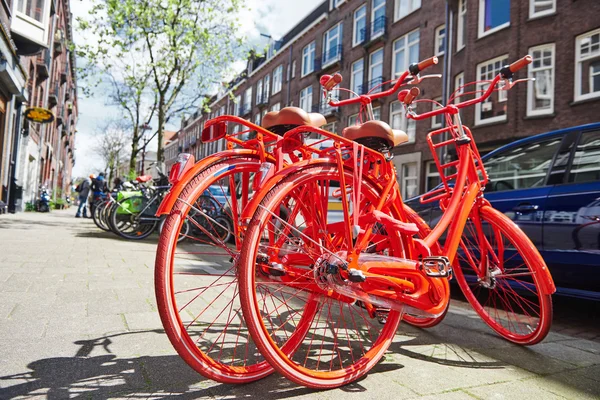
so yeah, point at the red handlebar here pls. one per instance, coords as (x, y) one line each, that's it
(329, 82)
(427, 63)
(517, 65)
(411, 95)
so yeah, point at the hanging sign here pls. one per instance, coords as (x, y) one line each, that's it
(39, 115)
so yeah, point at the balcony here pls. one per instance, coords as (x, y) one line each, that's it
(53, 96)
(43, 65)
(330, 57)
(324, 109)
(59, 42)
(375, 30)
(27, 26)
(367, 87)
(262, 100)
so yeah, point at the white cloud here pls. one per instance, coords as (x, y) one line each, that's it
(270, 17)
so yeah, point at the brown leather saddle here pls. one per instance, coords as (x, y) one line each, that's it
(288, 118)
(376, 135)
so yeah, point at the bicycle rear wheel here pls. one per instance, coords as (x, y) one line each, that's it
(97, 216)
(500, 274)
(346, 337)
(126, 220)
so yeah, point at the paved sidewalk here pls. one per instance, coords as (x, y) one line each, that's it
(78, 319)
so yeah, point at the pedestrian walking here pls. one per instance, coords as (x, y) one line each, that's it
(84, 191)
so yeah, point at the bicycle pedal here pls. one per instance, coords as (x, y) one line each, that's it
(356, 276)
(436, 266)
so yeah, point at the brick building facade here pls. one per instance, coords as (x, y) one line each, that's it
(38, 34)
(370, 42)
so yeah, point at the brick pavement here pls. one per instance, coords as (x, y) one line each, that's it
(78, 319)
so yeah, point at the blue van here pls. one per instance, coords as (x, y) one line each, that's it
(549, 185)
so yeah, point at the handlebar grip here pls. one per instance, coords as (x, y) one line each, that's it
(329, 82)
(517, 65)
(411, 95)
(427, 63)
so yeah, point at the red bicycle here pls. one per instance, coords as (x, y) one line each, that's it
(345, 279)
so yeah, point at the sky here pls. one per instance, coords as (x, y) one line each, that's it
(270, 17)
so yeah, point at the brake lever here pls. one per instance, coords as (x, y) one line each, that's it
(508, 84)
(418, 79)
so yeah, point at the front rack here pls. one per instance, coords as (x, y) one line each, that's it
(448, 170)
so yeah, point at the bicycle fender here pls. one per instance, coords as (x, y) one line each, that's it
(171, 197)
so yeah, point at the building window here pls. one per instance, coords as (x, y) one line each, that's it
(306, 99)
(360, 24)
(247, 100)
(266, 88)
(405, 7)
(337, 3)
(493, 109)
(32, 8)
(277, 76)
(308, 59)
(356, 80)
(587, 70)
(440, 40)
(539, 8)
(406, 52)
(377, 18)
(409, 180)
(459, 83)
(259, 92)
(437, 121)
(432, 176)
(540, 93)
(377, 114)
(293, 69)
(257, 119)
(399, 121)
(461, 33)
(376, 70)
(493, 16)
(353, 120)
(276, 107)
(332, 44)
(330, 127)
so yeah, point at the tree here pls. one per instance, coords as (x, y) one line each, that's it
(112, 140)
(185, 46)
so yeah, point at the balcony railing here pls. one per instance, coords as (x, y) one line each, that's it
(331, 56)
(374, 83)
(324, 109)
(372, 31)
(43, 64)
(262, 100)
(245, 110)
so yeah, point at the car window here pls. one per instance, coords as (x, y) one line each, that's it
(586, 162)
(522, 167)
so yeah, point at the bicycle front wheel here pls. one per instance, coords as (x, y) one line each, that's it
(345, 337)
(502, 278)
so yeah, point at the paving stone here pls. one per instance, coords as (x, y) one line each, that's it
(517, 390)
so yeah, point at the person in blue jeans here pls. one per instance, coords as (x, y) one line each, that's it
(84, 191)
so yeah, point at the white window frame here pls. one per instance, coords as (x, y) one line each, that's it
(429, 174)
(336, 3)
(308, 56)
(531, 84)
(371, 67)
(276, 107)
(406, 47)
(404, 179)
(248, 99)
(236, 105)
(434, 123)
(579, 66)
(257, 119)
(592, 75)
(459, 80)
(259, 91)
(306, 96)
(353, 72)
(377, 113)
(409, 126)
(413, 5)
(352, 117)
(502, 97)
(355, 31)
(439, 40)
(293, 69)
(326, 43)
(277, 79)
(373, 11)
(539, 14)
(481, 27)
(267, 87)
(460, 24)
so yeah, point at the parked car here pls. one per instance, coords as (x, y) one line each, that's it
(549, 185)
